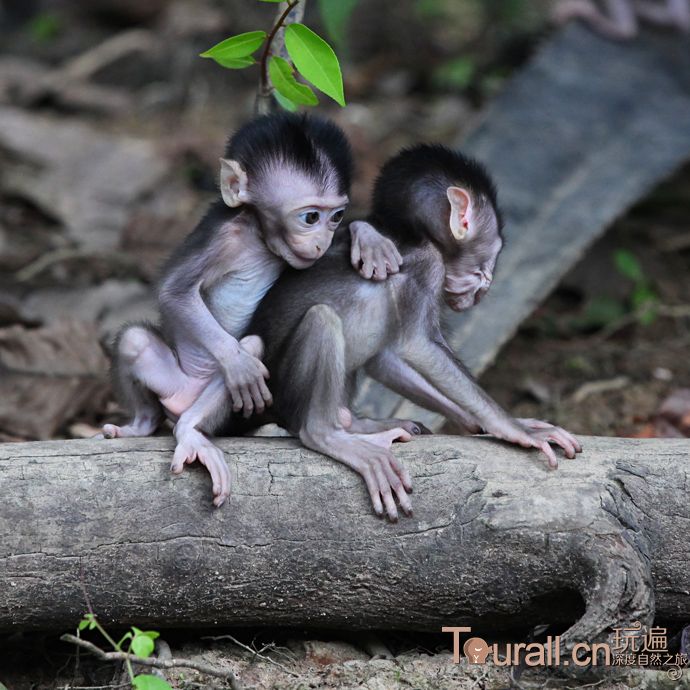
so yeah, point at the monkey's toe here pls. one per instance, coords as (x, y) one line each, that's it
(111, 431)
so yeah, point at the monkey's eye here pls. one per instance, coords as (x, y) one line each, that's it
(337, 216)
(310, 217)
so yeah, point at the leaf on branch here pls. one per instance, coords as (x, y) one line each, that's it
(142, 646)
(315, 61)
(234, 52)
(285, 103)
(236, 63)
(336, 15)
(146, 682)
(283, 79)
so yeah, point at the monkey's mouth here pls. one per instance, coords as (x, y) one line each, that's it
(297, 261)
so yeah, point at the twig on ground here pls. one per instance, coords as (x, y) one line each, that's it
(154, 663)
(253, 652)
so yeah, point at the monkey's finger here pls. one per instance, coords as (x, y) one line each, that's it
(385, 491)
(179, 459)
(355, 254)
(236, 399)
(402, 472)
(372, 487)
(550, 455)
(395, 482)
(265, 393)
(556, 436)
(263, 371)
(224, 476)
(247, 403)
(573, 439)
(367, 270)
(397, 255)
(379, 272)
(393, 260)
(258, 399)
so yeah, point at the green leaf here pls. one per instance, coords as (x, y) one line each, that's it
(236, 47)
(315, 61)
(88, 621)
(285, 103)
(236, 63)
(336, 15)
(628, 265)
(146, 682)
(142, 646)
(283, 79)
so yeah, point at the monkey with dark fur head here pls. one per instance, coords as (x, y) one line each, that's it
(321, 326)
(284, 185)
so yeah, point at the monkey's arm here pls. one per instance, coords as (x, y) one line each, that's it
(390, 370)
(186, 312)
(434, 360)
(372, 254)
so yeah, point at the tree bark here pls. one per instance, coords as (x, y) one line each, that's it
(497, 539)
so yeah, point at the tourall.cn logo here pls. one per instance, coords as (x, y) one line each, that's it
(635, 645)
(476, 650)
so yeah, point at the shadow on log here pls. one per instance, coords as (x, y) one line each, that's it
(497, 539)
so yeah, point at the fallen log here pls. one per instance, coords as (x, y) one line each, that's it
(497, 539)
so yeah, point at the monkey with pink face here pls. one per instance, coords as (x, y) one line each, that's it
(284, 184)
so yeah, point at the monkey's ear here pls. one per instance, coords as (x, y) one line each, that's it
(460, 211)
(233, 183)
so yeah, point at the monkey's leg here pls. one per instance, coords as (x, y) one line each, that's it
(312, 393)
(390, 370)
(671, 13)
(212, 407)
(618, 21)
(144, 370)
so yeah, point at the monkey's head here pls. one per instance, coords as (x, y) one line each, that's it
(294, 171)
(430, 192)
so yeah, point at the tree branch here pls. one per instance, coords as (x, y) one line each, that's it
(288, 13)
(154, 663)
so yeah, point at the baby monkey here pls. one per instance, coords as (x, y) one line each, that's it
(284, 184)
(320, 327)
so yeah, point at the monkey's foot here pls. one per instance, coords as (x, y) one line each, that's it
(369, 456)
(136, 428)
(193, 445)
(554, 434)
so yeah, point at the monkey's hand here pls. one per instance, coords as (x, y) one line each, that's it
(245, 379)
(372, 254)
(543, 434)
